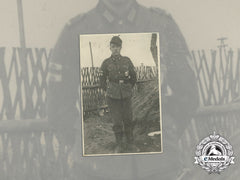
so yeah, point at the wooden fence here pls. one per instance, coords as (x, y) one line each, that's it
(218, 75)
(23, 83)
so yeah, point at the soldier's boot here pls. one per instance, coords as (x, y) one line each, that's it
(131, 147)
(119, 143)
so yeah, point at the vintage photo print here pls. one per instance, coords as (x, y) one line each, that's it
(120, 94)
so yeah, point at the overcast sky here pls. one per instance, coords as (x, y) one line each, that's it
(201, 21)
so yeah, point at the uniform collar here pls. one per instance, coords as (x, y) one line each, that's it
(112, 17)
(116, 57)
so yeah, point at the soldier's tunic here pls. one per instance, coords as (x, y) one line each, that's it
(117, 79)
(63, 88)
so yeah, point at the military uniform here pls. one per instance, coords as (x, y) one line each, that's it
(121, 76)
(179, 106)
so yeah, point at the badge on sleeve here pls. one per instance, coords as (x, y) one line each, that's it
(55, 72)
(55, 66)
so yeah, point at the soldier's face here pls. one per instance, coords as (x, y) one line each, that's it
(115, 49)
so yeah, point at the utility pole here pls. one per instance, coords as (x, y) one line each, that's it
(21, 24)
(28, 111)
(222, 49)
(222, 43)
(90, 45)
(153, 48)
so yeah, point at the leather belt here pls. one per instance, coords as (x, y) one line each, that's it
(121, 81)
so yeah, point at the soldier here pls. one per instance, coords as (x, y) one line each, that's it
(119, 71)
(115, 16)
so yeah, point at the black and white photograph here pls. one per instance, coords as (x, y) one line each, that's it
(119, 77)
(66, 113)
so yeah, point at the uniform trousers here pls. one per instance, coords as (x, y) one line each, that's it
(121, 115)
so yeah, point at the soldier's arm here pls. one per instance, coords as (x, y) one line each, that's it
(132, 73)
(103, 73)
(63, 81)
(180, 75)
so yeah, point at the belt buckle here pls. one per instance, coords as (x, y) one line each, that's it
(121, 81)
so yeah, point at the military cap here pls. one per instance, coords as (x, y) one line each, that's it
(116, 40)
